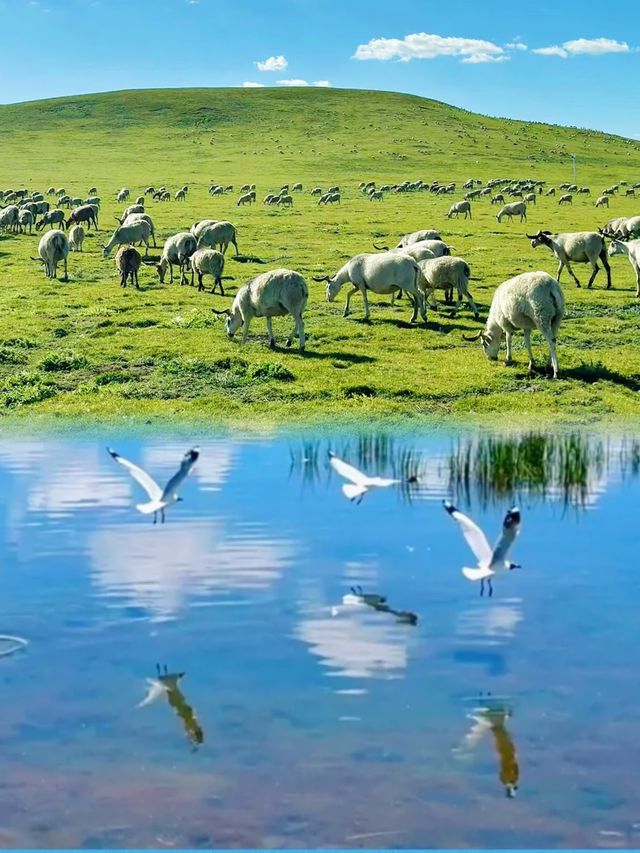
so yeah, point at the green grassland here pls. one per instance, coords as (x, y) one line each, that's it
(87, 348)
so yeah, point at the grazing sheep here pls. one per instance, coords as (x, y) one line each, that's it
(128, 261)
(602, 201)
(198, 227)
(9, 217)
(123, 194)
(285, 201)
(125, 234)
(51, 191)
(93, 199)
(530, 198)
(581, 247)
(64, 201)
(376, 195)
(459, 207)
(208, 262)
(84, 213)
(53, 248)
(421, 250)
(630, 192)
(497, 199)
(180, 195)
(247, 198)
(177, 250)
(551, 191)
(448, 274)
(271, 294)
(76, 238)
(334, 190)
(51, 218)
(296, 188)
(149, 190)
(61, 191)
(418, 237)
(566, 199)
(630, 228)
(316, 191)
(218, 235)
(330, 198)
(632, 251)
(268, 199)
(384, 274)
(25, 219)
(245, 188)
(532, 300)
(133, 208)
(137, 217)
(216, 190)
(584, 191)
(516, 208)
(614, 227)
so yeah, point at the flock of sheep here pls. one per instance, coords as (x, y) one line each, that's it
(419, 266)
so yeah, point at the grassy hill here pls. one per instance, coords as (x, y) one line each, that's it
(89, 348)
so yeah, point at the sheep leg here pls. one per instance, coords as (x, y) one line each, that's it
(574, 276)
(272, 340)
(135, 273)
(471, 304)
(66, 274)
(345, 313)
(245, 328)
(553, 358)
(508, 337)
(365, 299)
(605, 264)
(527, 343)
(596, 269)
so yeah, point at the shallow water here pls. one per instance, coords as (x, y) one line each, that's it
(319, 730)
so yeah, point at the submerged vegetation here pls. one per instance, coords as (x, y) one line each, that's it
(92, 349)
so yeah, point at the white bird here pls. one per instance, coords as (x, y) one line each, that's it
(359, 483)
(489, 559)
(358, 598)
(160, 499)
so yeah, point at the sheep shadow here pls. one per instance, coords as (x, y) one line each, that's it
(353, 358)
(590, 373)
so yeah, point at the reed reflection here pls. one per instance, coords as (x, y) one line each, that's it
(167, 684)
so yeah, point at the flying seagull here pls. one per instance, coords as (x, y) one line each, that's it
(168, 684)
(359, 484)
(489, 559)
(159, 498)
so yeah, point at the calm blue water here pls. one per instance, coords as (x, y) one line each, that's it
(318, 730)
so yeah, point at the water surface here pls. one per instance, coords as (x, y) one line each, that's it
(319, 730)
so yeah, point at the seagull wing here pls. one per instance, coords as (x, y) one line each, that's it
(150, 486)
(510, 530)
(155, 691)
(476, 539)
(188, 461)
(349, 472)
(382, 482)
(477, 574)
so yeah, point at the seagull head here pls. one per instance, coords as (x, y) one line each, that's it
(512, 518)
(512, 566)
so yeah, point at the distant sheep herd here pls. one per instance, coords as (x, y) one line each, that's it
(418, 266)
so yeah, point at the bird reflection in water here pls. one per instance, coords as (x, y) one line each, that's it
(491, 716)
(358, 598)
(167, 684)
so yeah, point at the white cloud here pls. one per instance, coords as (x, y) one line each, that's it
(292, 83)
(273, 63)
(429, 46)
(516, 45)
(584, 47)
(323, 83)
(554, 50)
(248, 84)
(485, 57)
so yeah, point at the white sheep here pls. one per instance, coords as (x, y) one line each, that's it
(25, 219)
(630, 229)
(459, 207)
(285, 201)
(181, 195)
(448, 274)
(602, 201)
(246, 198)
(198, 227)
(208, 262)
(76, 238)
(384, 273)
(218, 235)
(9, 217)
(421, 249)
(53, 248)
(530, 198)
(138, 217)
(133, 208)
(135, 233)
(566, 199)
(632, 251)
(532, 300)
(516, 208)
(177, 250)
(581, 247)
(123, 194)
(271, 294)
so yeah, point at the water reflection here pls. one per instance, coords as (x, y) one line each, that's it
(491, 716)
(167, 684)
(161, 568)
(573, 468)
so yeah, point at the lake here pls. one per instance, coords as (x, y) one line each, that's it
(294, 727)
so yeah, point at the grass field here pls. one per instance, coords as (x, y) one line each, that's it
(89, 349)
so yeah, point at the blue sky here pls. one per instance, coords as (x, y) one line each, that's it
(483, 56)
